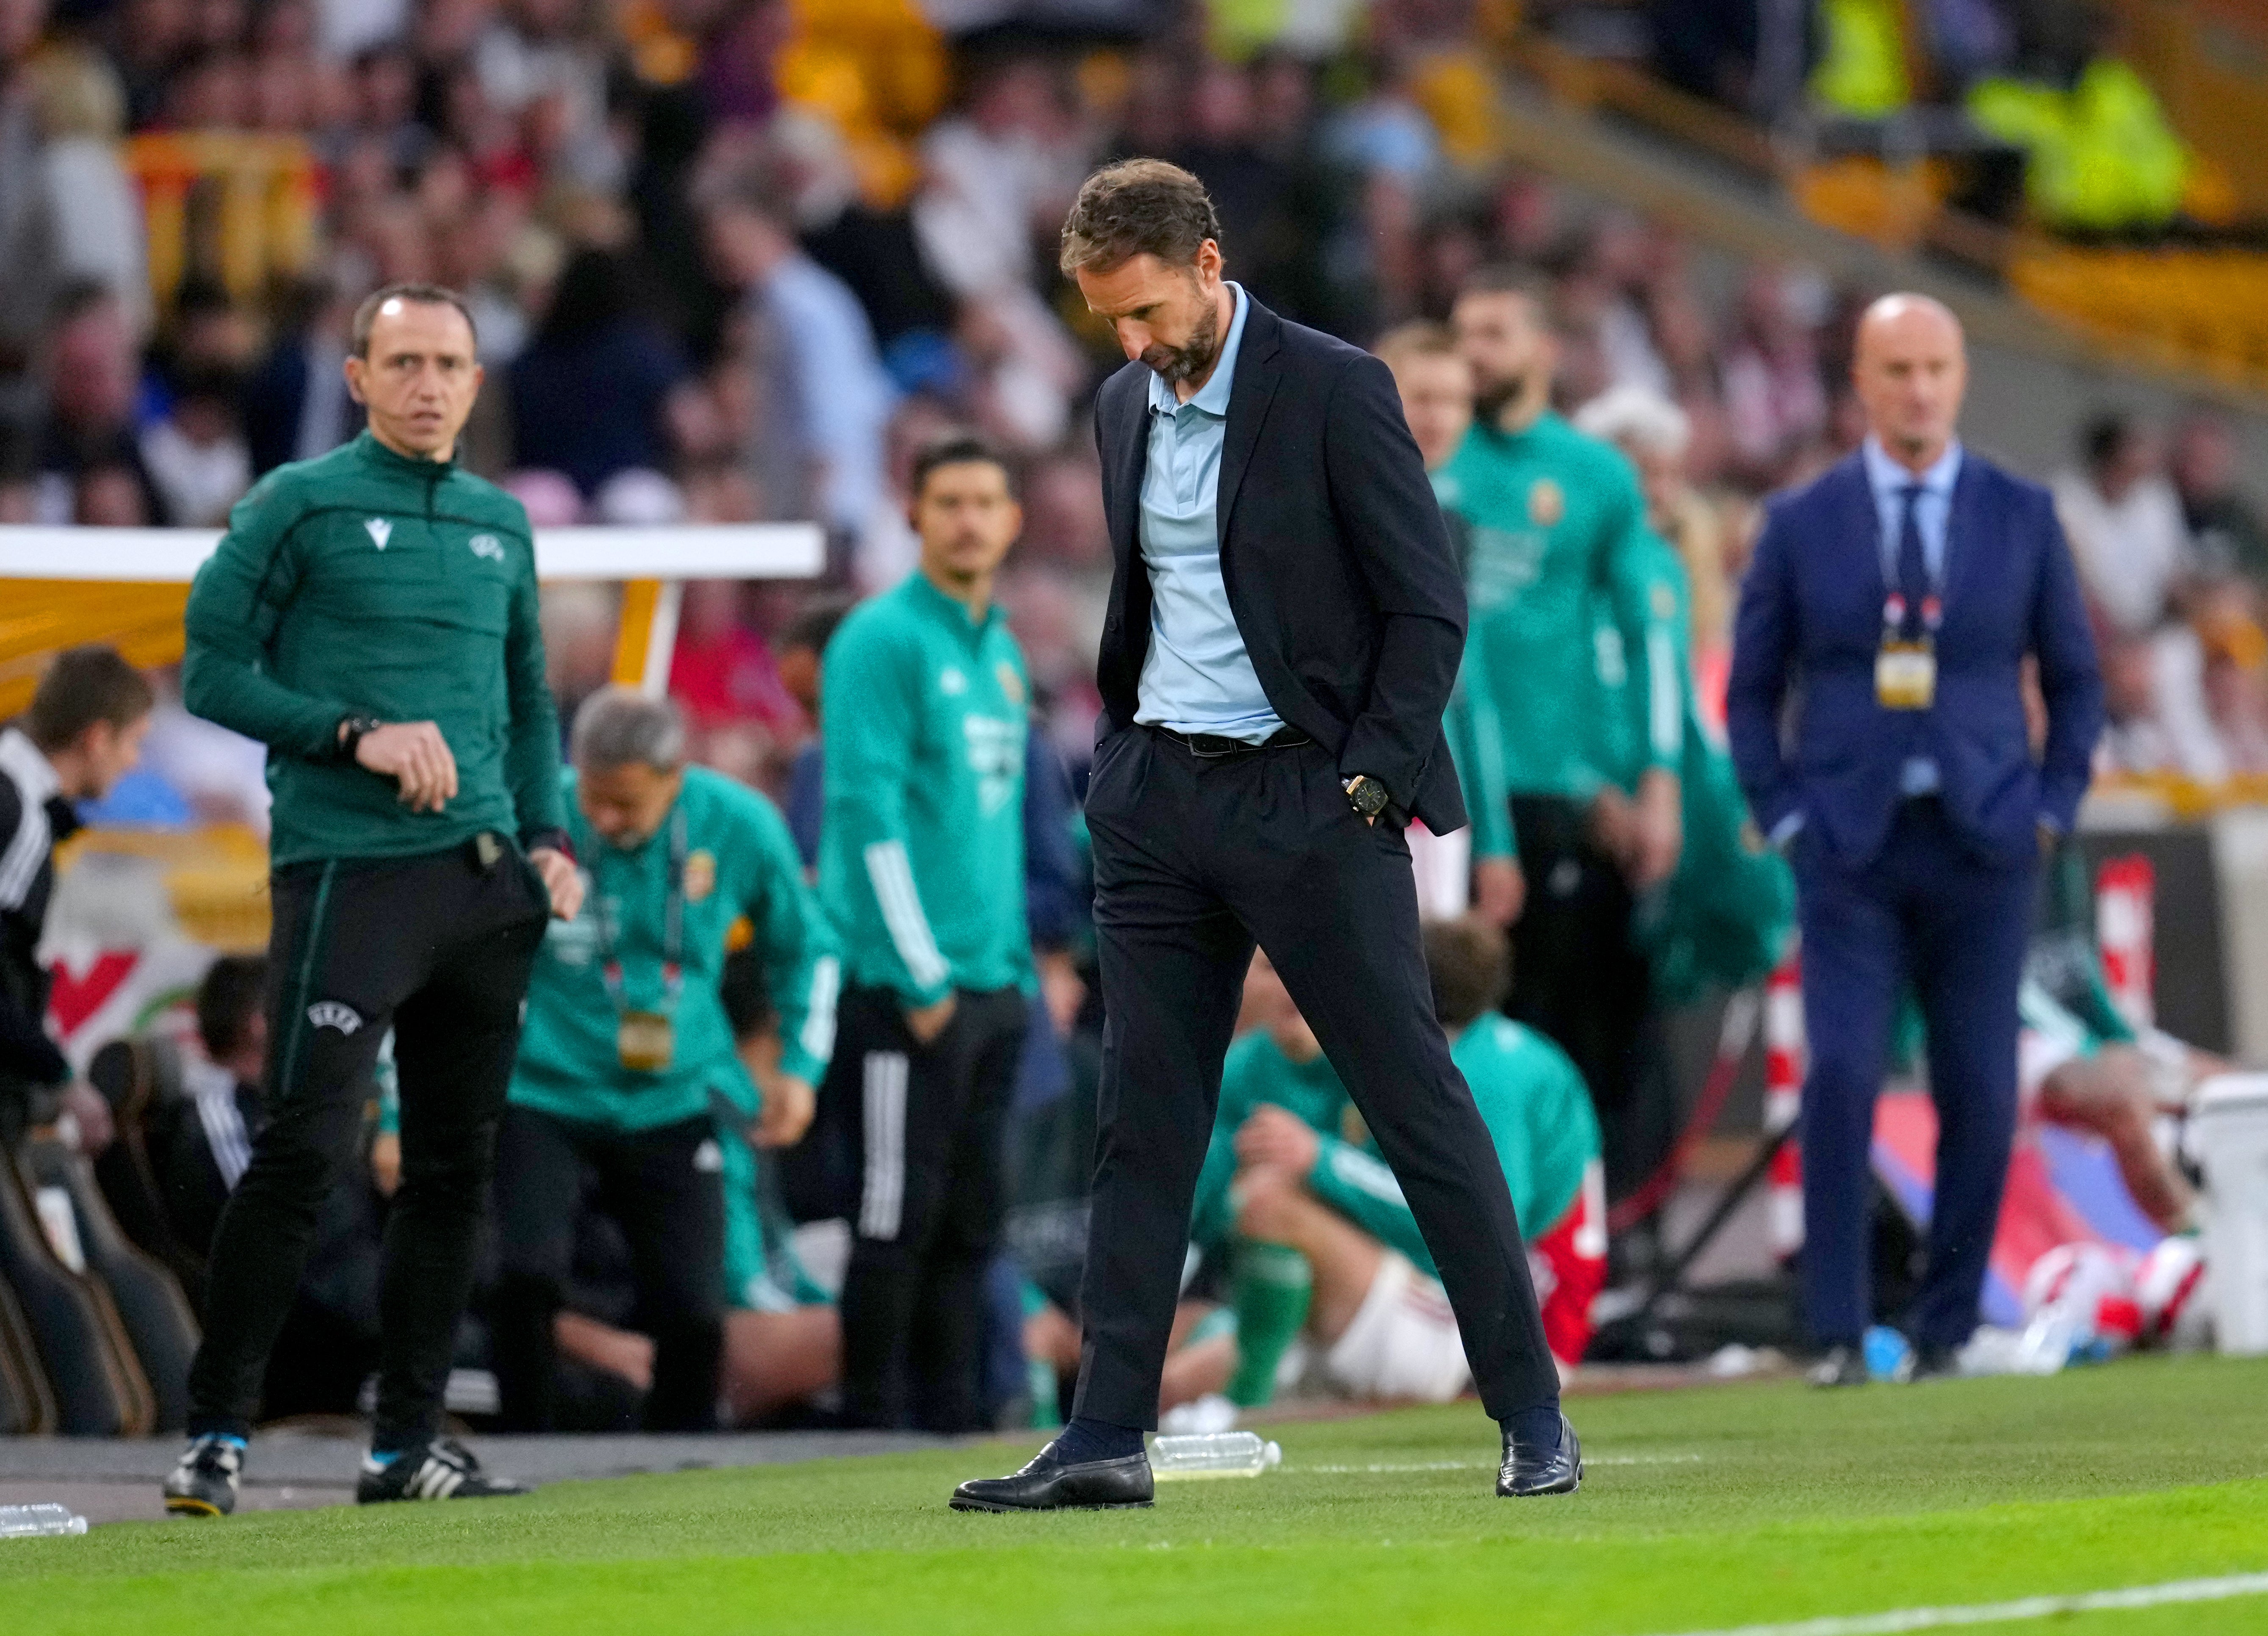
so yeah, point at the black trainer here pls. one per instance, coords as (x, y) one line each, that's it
(204, 1484)
(445, 1468)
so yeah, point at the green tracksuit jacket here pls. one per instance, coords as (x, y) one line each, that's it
(740, 861)
(924, 713)
(1558, 526)
(366, 583)
(1529, 1094)
(1724, 917)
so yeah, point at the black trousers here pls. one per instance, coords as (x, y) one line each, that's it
(1579, 978)
(436, 947)
(1195, 859)
(931, 1123)
(665, 1188)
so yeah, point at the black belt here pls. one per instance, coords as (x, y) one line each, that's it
(1212, 746)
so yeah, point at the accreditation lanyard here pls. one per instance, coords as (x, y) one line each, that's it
(1905, 669)
(673, 934)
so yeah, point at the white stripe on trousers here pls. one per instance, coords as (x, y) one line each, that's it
(882, 1203)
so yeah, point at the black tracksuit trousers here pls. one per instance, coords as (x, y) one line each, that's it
(439, 948)
(665, 1188)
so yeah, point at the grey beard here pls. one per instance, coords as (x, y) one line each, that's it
(1186, 361)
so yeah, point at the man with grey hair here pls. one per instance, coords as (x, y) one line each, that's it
(628, 1089)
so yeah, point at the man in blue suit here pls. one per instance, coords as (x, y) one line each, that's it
(1876, 712)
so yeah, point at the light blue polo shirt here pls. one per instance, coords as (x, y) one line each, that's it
(1197, 677)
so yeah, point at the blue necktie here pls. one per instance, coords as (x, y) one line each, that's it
(1914, 566)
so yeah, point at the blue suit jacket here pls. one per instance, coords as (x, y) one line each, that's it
(1807, 735)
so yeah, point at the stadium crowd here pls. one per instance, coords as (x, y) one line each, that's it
(699, 300)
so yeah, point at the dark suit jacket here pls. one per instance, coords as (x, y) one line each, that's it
(1810, 624)
(1338, 565)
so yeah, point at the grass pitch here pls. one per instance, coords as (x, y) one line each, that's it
(1702, 1510)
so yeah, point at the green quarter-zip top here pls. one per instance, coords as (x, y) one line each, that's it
(736, 860)
(1557, 530)
(923, 712)
(366, 583)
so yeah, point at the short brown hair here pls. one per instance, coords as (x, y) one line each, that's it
(420, 295)
(1420, 338)
(1138, 207)
(1503, 278)
(960, 448)
(1468, 963)
(85, 685)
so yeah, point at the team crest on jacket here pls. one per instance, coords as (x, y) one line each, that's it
(700, 874)
(330, 1014)
(1012, 685)
(489, 546)
(1547, 503)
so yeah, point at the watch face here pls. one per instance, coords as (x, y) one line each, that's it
(1368, 796)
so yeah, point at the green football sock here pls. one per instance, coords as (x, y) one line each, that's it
(1269, 1288)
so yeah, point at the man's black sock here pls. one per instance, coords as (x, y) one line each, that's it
(1086, 1438)
(1535, 1430)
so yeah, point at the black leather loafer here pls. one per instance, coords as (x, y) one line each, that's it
(1524, 1473)
(1839, 1365)
(1048, 1485)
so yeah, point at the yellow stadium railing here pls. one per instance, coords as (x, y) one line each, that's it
(242, 205)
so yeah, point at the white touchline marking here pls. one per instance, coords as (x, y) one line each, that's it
(1902, 1619)
(1482, 1465)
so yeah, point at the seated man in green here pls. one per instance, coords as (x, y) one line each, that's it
(1319, 1235)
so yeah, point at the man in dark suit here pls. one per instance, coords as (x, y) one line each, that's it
(1284, 626)
(1896, 600)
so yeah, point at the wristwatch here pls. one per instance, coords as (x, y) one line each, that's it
(351, 732)
(1366, 795)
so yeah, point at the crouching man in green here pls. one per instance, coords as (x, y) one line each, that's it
(628, 1066)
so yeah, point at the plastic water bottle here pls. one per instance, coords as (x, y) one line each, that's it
(38, 1521)
(1211, 1453)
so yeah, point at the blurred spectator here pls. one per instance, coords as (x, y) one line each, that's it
(97, 214)
(2227, 540)
(588, 395)
(295, 402)
(578, 641)
(1775, 390)
(195, 453)
(997, 179)
(2154, 696)
(29, 252)
(87, 371)
(2125, 526)
(1656, 434)
(723, 670)
(821, 398)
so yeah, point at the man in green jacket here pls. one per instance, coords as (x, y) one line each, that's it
(924, 708)
(1558, 533)
(371, 616)
(628, 1063)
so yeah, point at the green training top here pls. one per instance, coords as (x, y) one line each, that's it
(1529, 1094)
(922, 717)
(1558, 526)
(1538, 1114)
(367, 583)
(1723, 917)
(739, 860)
(1640, 724)
(1257, 1071)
